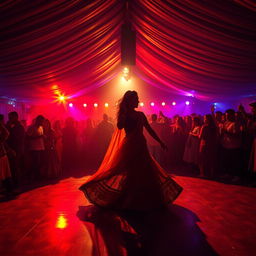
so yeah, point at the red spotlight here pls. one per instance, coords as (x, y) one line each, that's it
(62, 222)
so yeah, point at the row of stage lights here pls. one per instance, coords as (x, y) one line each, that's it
(141, 104)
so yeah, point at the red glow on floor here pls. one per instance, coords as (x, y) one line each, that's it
(62, 222)
(209, 218)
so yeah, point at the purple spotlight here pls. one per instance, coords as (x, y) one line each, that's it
(187, 102)
(173, 103)
(152, 104)
(70, 105)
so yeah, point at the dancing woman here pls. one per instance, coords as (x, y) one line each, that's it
(129, 178)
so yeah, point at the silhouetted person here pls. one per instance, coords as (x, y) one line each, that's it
(231, 141)
(58, 135)
(36, 146)
(154, 147)
(70, 147)
(87, 145)
(179, 136)
(16, 142)
(102, 137)
(191, 154)
(129, 178)
(251, 126)
(5, 173)
(51, 161)
(208, 147)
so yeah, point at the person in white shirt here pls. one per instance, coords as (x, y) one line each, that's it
(231, 141)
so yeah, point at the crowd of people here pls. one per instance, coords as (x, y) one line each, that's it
(48, 150)
(217, 145)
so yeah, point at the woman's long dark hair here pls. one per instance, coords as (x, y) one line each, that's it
(124, 104)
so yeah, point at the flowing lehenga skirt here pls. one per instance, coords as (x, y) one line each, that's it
(129, 178)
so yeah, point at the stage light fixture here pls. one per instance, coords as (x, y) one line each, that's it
(126, 70)
(187, 102)
(85, 105)
(60, 98)
(163, 104)
(126, 73)
(95, 105)
(173, 103)
(70, 105)
(141, 104)
(152, 104)
(106, 105)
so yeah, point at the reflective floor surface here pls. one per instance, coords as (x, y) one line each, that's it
(209, 218)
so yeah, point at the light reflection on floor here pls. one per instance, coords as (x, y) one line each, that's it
(209, 218)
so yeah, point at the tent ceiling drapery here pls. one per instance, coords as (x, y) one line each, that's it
(205, 48)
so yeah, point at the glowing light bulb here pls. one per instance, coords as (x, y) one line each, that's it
(163, 104)
(85, 105)
(126, 74)
(173, 103)
(95, 105)
(187, 102)
(61, 98)
(141, 104)
(106, 105)
(152, 104)
(126, 70)
(71, 105)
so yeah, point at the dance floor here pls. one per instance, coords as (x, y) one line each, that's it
(209, 218)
